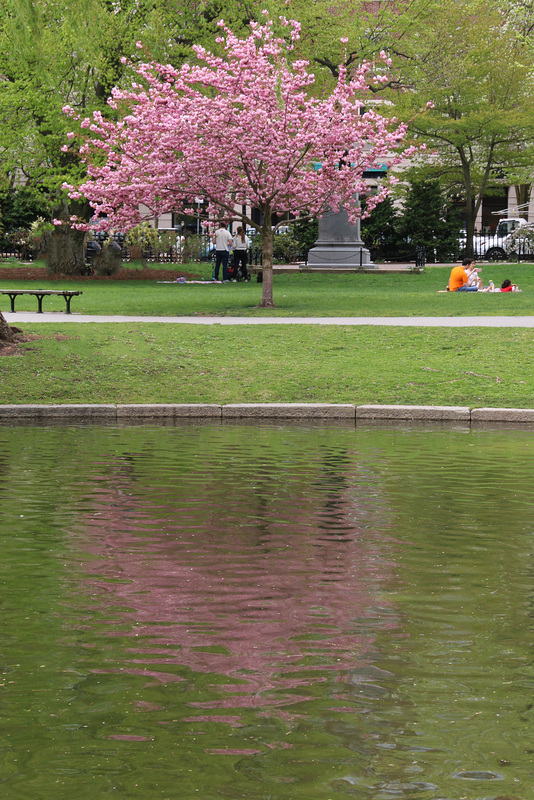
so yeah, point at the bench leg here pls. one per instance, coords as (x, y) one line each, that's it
(40, 302)
(67, 300)
(12, 298)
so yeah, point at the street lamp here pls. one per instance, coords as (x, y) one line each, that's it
(198, 201)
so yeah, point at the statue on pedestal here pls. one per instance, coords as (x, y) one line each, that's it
(339, 245)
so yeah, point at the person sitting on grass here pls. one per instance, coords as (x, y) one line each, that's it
(459, 278)
(473, 273)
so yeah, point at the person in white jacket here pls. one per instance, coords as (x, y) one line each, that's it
(223, 242)
(240, 247)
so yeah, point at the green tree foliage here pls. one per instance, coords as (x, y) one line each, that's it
(379, 231)
(351, 31)
(22, 206)
(479, 79)
(305, 232)
(473, 60)
(428, 221)
(55, 53)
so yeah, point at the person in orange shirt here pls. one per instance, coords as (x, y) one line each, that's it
(458, 281)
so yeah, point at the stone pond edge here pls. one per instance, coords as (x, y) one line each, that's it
(256, 411)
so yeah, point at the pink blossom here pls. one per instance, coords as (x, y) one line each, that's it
(244, 128)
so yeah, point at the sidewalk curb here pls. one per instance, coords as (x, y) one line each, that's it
(111, 412)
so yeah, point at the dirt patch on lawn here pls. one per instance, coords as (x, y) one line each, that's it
(12, 348)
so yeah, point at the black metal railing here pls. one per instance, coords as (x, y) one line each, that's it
(9, 251)
(420, 257)
(516, 246)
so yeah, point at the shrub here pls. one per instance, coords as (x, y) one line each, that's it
(285, 248)
(429, 221)
(305, 233)
(379, 231)
(520, 242)
(143, 236)
(108, 260)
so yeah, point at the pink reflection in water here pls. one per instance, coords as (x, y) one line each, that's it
(231, 751)
(276, 598)
(127, 737)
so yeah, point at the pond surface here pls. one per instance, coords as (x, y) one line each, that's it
(270, 612)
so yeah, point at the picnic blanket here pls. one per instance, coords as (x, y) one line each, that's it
(480, 291)
(181, 281)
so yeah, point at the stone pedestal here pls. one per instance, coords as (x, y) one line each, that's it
(339, 245)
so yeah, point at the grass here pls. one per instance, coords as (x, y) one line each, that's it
(149, 362)
(303, 294)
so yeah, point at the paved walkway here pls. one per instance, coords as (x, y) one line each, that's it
(407, 322)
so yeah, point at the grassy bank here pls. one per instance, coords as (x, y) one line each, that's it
(143, 362)
(302, 294)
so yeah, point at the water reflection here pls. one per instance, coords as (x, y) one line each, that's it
(249, 612)
(274, 596)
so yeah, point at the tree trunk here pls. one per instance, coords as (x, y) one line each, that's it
(470, 205)
(522, 194)
(6, 334)
(469, 229)
(267, 261)
(65, 251)
(65, 246)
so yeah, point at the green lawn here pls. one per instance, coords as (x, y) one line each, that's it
(303, 294)
(150, 362)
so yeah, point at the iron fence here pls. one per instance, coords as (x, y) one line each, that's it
(9, 251)
(517, 246)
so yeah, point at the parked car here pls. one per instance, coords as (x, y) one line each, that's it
(493, 247)
(520, 243)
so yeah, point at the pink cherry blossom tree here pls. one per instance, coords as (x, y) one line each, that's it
(244, 128)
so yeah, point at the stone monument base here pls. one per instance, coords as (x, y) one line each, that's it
(339, 255)
(338, 246)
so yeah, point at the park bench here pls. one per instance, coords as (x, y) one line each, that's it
(39, 294)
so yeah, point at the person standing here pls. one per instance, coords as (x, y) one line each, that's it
(223, 242)
(240, 246)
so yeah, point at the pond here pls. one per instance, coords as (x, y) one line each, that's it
(267, 612)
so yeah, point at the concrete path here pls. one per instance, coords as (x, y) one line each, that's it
(408, 322)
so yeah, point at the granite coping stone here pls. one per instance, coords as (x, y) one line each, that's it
(251, 411)
(58, 411)
(393, 412)
(502, 415)
(289, 410)
(169, 410)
